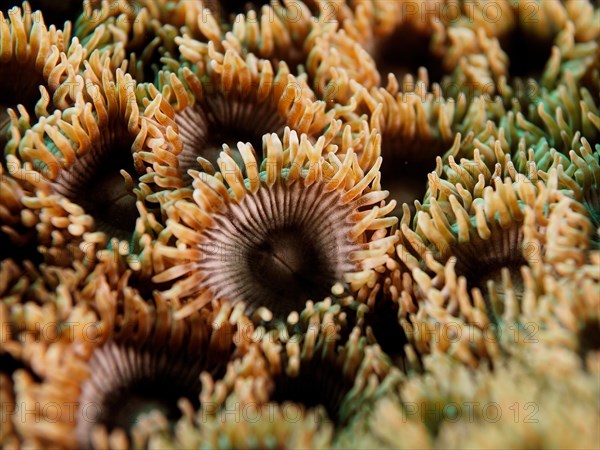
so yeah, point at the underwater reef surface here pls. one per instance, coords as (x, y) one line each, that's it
(300, 224)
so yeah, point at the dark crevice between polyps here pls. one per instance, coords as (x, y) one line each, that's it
(527, 54)
(57, 12)
(407, 162)
(318, 383)
(589, 337)
(9, 364)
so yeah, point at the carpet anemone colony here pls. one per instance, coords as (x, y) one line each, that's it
(300, 224)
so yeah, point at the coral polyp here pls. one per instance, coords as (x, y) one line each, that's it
(280, 234)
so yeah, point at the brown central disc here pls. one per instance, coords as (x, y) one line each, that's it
(223, 120)
(17, 90)
(96, 184)
(482, 261)
(278, 248)
(127, 382)
(289, 265)
(128, 403)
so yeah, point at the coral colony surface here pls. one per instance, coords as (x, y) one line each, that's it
(300, 224)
